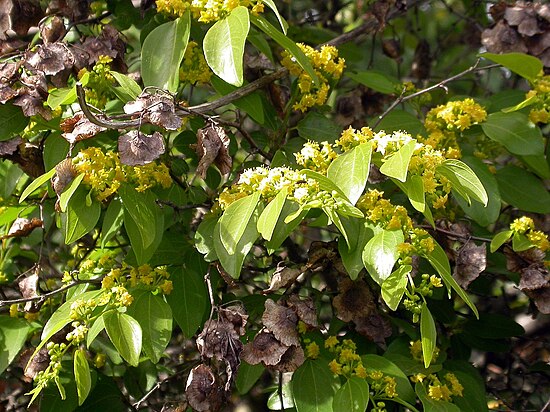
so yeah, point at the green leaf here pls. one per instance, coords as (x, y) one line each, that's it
(523, 104)
(251, 104)
(398, 120)
(36, 183)
(538, 164)
(282, 22)
(353, 396)
(428, 335)
(494, 326)
(526, 66)
(359, 233)
(112, 221)
(129, 89)
(235, 220)
(248, 375)
(125, 333)
(378, 363)
(393, 288)
(317, 127)
(80, 218)
(155, 319)
(82, 375)
(283, 228)
(286, 44)
(439, 261)
(520, 243)
(269, 217)
(375, 80)
(397, 164)
(58, 97)
(432, 405)
(324, 182)
(12, 121)
(414, 189)
(13, 334)
(350, 171)
(515, 132)
(474, 398)
(499, 239)
(224, 45)
(380, 254)
(204, 238)
(162, 53)
(95, 329)
(523, 190)
(463, 180)
(313, 387)
(69, 191)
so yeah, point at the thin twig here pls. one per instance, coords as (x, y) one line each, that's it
(210, 292)
(457, 235)
(157, 386)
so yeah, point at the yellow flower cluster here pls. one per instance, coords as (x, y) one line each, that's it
(316, 156)
(382, 385)
(438, 390)
(312, 350)
(154, 279)
(346, 362)
(100, 80)
(105, 173)
(328, 67)
(382, 212)
(525, 226)
(444, 122)
(194, 67)
(540, 111)
(206, 11)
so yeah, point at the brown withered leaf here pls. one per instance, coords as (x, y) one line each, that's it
(79, 128)
(283, 277)
(7, 93)
(305, 309)
(211, 147)
(136, 148)
(39, 363)
(471, 260)
(202, 390)
(24, 15)
(9, 147)
(354, 300)
(22, 227)
(9, 71)
(29, 289)
(282, 322)
(157, 109)
(53, 31)
(535, 283)
(374, 326)
(65, 172)
(516, 261)
(219, 340)
(236, 315)
(392, 48)
(108, 43)
(32, 105)
(502, 39)
(265, 348)
(291, 360)
(50, 58)
(422, 62)
(25, 154)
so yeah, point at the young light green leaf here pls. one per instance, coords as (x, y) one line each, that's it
(162, 53)
(324, 182)
(313, 387)
(129, 89)
(414, 189)
(204, 238)
(69, 191)
(283, 227)
(523, 104)
(353, 396)
(515, 132)
(380, 254)
(80, 218)
(393, 288)
(350, 171)
(463, 180)
(499, 239)
(286, 44)
(94, 330)
(13, 334)
(235, 220)
(36, 183)
(224, 45)
(125, 333)
(155, 319)
(112, 221)
(428, 335)
(521, 243)
(82, 375)
(282, 21)
(375, 80)
(58, 97)
(269, 217)
(359, 234)
(397, 164)
(526, 66)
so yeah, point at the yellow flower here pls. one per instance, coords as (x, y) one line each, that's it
(331, 342)
(456, 386)
(439, 392)
(522, 225)
(167, 287)
(360, 371)
(335, 367)
(312, 350)
(14, 311)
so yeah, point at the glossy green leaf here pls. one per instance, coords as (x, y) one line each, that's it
(463, 180)
(13, 334)
(379, 363)
(82, 375)
(224, 45)
(359, 234)
(274, 401)
(432, 405)
(494, 326)
(128, 90)
(538, 164)
(313, 387)
(284, 228)
(162, 53)
(380, 254)
(520, 243)
(155, 319)
(499, 239)
(523, 190)
(58, 97)
(397, 164)
(35, 184)
(350, 171)
(523, 104)
(69, 191)
(112, 221)
(318, 128)
(204, 238)
(375, 80)
(440, 262)
(515, 132)
(251, 104)
(105, 396)
(80, 218)
(269, 217)
(353, 396)
(248, 376)
(95, 329)
(324, 182)
(235, 220)
(428, 335)
(526, 66)
(286, 44)
(393, 288)
(125, 333)
(12, 121)
(282, 22)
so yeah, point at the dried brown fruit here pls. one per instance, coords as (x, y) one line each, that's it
(203, 392)
(50, 58)
(39, 362)
(422, 62)
(136, 148)
(219, 340)
(79, 128)
(53, 31)
(355, 300)
(264, 348)
(65, 172)
(282, 322)
(305, 309)
(471, 260)
(22, 227)
(236, 315)
(374, 326)
(9, 147)
(283, 277)
(157, 109)
(29, 290)
(535, 283)
(24, 15)
(291, 360)
(211, 147)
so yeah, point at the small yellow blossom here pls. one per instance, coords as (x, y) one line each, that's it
(331, 342)
(522, 225)
(206, 11)
(312, 350)
(335, 367)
